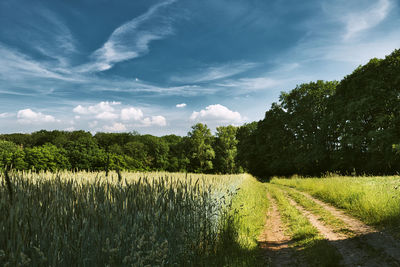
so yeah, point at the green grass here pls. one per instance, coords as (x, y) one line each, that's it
(248, 212)
(375, 200)
(308, 241)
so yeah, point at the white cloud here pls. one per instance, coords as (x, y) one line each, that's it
(101, 107)
(217, 113)
(155, 120)
(131, 113)
(181, 105)
(27, 116)
(116, 127)
(131, 39)
(111, 111)
(107, 116)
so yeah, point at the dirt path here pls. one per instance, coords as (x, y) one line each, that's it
(383, 243)
(352, 254)
(274, 241)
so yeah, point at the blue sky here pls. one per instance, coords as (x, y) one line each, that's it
(161, 66)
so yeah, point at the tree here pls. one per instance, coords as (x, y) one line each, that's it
(367, 113)
(11, 155)
(157, 151)
(46, 157)
(177, 156)
(84, 153)
(201, 151)
(246, 145)
(225, 149)
(307, 117)
(273, 145)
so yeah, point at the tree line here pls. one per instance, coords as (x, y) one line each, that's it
(199, 151)
(347, 127)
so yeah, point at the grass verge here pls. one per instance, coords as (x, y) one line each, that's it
(247, 215)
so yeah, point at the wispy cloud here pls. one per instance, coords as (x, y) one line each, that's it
(131, 39)
(355, 17)
(356, 22)
(6, 115)
(252, 84)
(214, 72)
(15, 65)
(55, 40)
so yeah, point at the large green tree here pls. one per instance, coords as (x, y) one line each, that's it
(201, 151)
(308, 120)
(12, 155)
(225, 149)
(367, 113)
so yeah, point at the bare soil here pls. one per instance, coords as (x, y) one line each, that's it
(380, 241)
(274, 241)
(363, 246)
(349, 248)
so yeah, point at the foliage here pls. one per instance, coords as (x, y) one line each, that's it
(201, 151)
(349, 127)
(11, 156)
(225, 149)
(46, 157)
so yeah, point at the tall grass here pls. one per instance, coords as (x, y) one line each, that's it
(375, 200)
(84, 219)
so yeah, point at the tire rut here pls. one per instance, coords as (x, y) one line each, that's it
(348, 248)
(274, 241)
(382, 242)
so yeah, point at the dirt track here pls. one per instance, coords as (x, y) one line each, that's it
(369, 247)
(274, 240)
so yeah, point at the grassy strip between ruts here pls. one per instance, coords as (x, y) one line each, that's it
(375, 200)
(248, 214)
(325, 216)
(310, 244)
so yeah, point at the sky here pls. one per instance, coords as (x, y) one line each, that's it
(160, 66)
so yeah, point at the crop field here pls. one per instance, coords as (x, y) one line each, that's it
(135, 219)
(334, 221)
